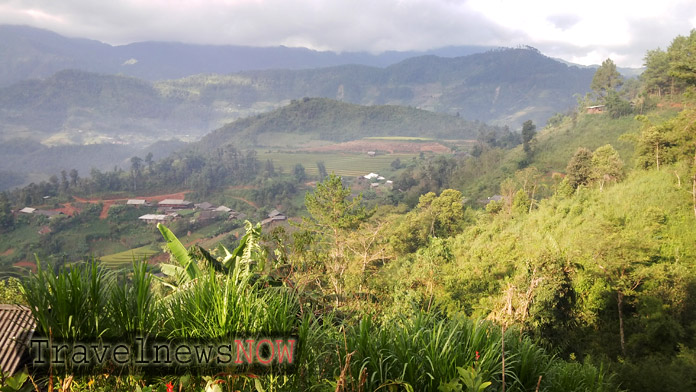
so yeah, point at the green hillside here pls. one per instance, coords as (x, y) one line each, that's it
(332, 120)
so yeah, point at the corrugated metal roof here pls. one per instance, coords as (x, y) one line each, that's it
(16, 329)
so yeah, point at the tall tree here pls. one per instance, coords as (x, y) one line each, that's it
(322, 170)
(74, 177)
(299, 173)
(136, 167)
(333, 214)
(656, 75)
(6, 217)
(606, 79)
(149, 162)
(681, 58)
(528, 133)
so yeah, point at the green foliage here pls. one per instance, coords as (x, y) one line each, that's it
(681, 53)
(617, 106)
(606, 79)
(528, 133)
(606, 165)
(186, 268)
(579, 169)
(10, 291)
(14, 383)
(330, 206)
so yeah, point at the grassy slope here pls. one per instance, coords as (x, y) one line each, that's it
(555, 145)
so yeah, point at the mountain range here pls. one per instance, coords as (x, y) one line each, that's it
(29, 53)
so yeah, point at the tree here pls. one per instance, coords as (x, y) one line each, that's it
(579, 169)
(136, 166)
(6, 217)
(681, 58)
(606, 165)
(617, 106)
(269, 169)
(74, 177)
(528, 133)
(606, 79)
(333, 214)
(149, 162)
(656, 75)
(299, 173)
(64, 184)
(322, 170)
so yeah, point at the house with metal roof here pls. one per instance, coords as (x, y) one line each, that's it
(17, 326)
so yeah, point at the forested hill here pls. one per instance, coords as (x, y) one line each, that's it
(328, 119)
(28, 53)
(506, 86)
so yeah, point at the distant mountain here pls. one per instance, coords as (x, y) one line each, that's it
(331, 120)
(77, 107)
(28, 53)
(504, 87)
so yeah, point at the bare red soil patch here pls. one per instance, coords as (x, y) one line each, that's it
(68, 209)
(383, 145)
(8, 252)
(26, 264)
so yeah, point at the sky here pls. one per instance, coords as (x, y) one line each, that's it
(583, 32)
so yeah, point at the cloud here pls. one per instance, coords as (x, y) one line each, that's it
(564, 22)
(579, 31)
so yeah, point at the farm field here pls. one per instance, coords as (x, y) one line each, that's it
(124, 258)
(341, 163)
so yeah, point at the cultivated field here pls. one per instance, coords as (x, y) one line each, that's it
(350, 158)
(341, 163)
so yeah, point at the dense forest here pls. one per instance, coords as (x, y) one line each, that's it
(577, 275)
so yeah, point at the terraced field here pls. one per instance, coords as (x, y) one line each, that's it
(343, 164)
(123, 259)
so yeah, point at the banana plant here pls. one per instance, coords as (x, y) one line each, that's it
(187, 268)
(249, 252)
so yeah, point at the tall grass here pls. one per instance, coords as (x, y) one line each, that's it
(70, 305)
(224, 305)
(426, 352)
(133, 307)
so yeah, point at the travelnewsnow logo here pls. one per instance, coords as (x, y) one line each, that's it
(167, 356)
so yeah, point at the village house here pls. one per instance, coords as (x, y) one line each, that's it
(155, 218)
(204, 206)
(596, 109)
(273, 216)
(174, 204)
(224, 209)
(136, 202)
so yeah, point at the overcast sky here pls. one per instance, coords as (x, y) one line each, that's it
(584, 32)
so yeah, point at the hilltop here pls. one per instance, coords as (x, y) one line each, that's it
(331, 120)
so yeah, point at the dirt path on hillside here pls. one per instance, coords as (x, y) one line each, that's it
(251, 203)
